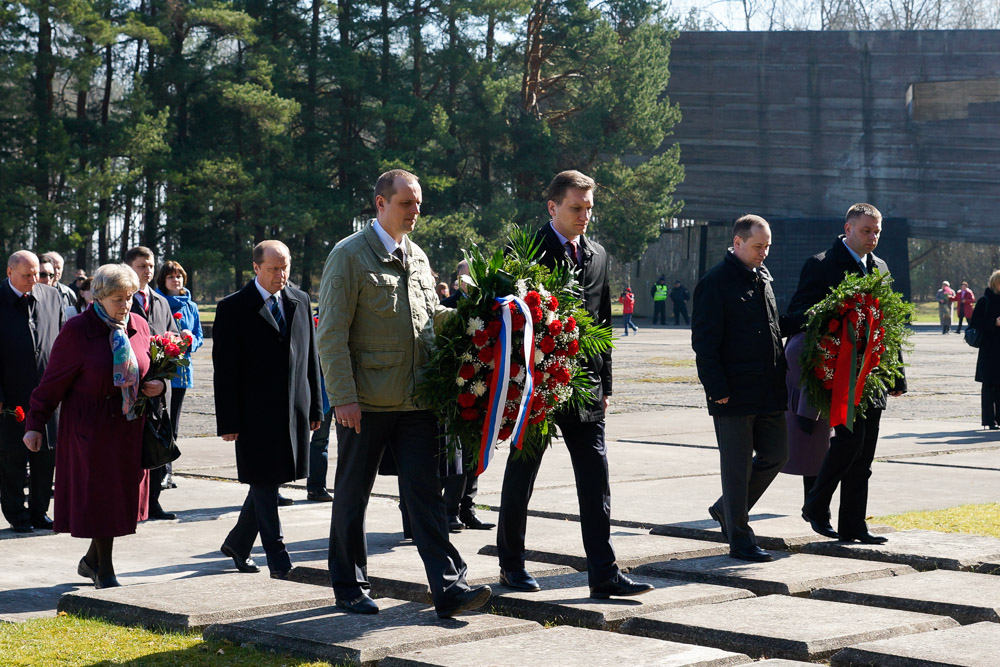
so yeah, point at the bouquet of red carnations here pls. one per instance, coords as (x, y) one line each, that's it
(852, 351)
(166, 355)
(513, 355)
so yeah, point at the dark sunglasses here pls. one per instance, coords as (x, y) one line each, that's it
(43, 274)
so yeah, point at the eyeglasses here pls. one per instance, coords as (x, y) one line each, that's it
(43, 274)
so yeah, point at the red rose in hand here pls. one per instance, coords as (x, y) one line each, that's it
(547, 345)
(574, 347)
(834, 325)
(466, 400)
(178, 316)
(553, 302)
(570, 324)
(505, 432)
(533, 299)
(555, 328)
(467, 371)
(469, 414)
(486, 354)
(493, 329)
(19, 414)
(480, 338)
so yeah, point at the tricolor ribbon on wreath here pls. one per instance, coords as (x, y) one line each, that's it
(501, 381)
(848, 381)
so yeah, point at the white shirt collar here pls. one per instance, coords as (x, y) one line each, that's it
(857, 258)
(387, 241)
(18, 293)
(263, 292)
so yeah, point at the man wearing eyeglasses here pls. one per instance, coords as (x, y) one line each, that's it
(52, 275)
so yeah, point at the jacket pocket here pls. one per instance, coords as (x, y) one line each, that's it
(381, 379)
(380, 294)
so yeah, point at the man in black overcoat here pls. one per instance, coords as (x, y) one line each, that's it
(153, 307)
(570, 201)
(31, 315)
(741, 363)
(849, 459)
(267, 398)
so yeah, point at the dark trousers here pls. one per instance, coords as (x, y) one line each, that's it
(958, 329)
(589, 455)
(460, 491)
(15, 461)
(991, 404)
(260, 515)
(681, 310)
(319, 451)
(849, 464)
(746, 475)
(660, 312)
(176, 402)
(412, 439)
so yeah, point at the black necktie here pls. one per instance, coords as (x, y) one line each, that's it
(276, 312)
(398, 254)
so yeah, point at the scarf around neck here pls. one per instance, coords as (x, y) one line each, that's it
(125, 365)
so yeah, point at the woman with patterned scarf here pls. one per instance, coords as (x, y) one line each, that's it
(94, 376)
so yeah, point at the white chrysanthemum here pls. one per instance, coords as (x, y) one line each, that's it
(519, 378)
(522, 288)
(545, 294)
(475, 324)
(478, 387)
(460, 381)
(539, 355)
(467, 357)
(549, 317)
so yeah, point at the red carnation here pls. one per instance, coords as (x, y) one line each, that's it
(547, 344)
(469, 414)
(467, 371)
(570, 324)
(561, 354)
(537, 376)
(854, 317)
(172, 350)
(493, 329)
(19, 414)
(562, 375)
(574, 347)
(553, 302)
(555, 328)
(513, 393)
(486, 354)
(510, 412)
(537, 403)
(466, 400)
(536, 314)
(480, 338)
(533, 299)
(178, 316)
(505, 433)
(538, 418)
(517, 321)
(834, 325)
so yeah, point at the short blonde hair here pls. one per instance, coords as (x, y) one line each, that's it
(995, 281)
(111, 278)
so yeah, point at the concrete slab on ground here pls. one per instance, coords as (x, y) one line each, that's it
(781, 626)
(195, 602)
(787, 574)
(921, 549)
(567, 647)
(566, 600)
(328, 633)
(974, 645)
(559, 541)
(968, 597)
(772, 531)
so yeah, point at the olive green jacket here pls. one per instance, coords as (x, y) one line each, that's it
(376, 323)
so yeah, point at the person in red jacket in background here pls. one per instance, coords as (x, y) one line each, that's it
(627, 300)
(965, 300)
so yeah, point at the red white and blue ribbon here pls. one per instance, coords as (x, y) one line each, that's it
(501, 382)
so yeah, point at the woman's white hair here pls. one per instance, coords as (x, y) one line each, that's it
(112, 278)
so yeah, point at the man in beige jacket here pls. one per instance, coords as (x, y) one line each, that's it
(376, 326)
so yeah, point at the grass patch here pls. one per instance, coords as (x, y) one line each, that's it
(69, 641)
(671, 379)
(668, 361)
(926, 312)
(972, 519)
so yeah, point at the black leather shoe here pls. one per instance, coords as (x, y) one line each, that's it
(821, 526)
(753, 554)
(864, 538)
(359, 605)
(243, 564)
(319, 496)
(109, 582)
(473, 522)
(156, 512)
(519, 580)
(84, 570)
(284, 501)
(474, 598)
(718, 517)
(620, 586)
(280, 574)
(42, 523)
(22, 528)
(455, 525)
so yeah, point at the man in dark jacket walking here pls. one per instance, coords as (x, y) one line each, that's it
(570, 200)
(741, 364)
(679, 296)
(849, 459)
(267, 398)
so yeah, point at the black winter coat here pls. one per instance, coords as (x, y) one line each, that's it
(267, 386)
(593, 278)
(984, 319)
(737, 340)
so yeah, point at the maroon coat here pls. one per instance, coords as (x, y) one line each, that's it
(97, 455)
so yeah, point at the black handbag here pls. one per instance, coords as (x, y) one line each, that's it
(158, 446)
(973, 336)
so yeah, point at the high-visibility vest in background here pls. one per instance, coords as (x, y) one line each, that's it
(661, 292)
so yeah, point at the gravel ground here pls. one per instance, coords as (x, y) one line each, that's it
(655, 370)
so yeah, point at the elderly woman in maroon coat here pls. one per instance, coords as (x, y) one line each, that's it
(95, 372)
